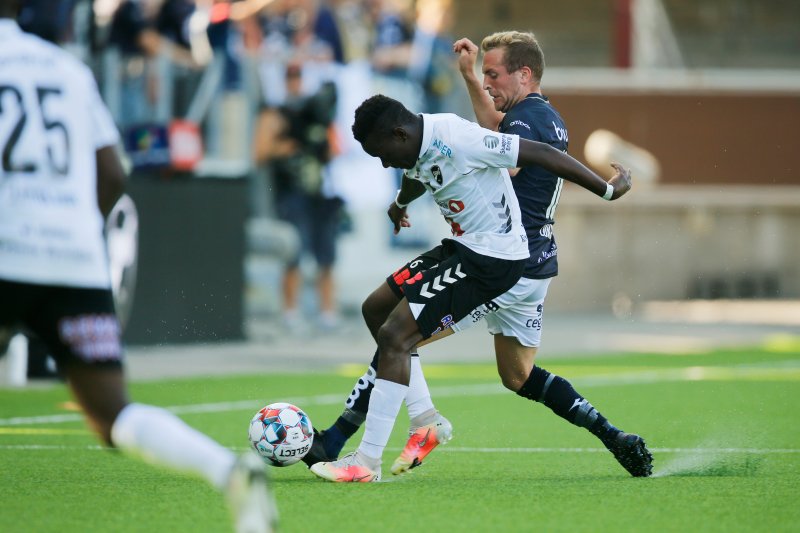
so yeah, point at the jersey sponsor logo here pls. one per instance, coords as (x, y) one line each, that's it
(445, 322)
(482, 311)
(92, 337)
(441, 282)
(491, 142)
(519, 123)
(547, 255)
(561, 133)
(437, 174)
(416, 278)
(546, 231)
(505, 144)
(535, 323)
(456, 206)
(443, 148)
(400, 277)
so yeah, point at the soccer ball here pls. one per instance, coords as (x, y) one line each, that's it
(281, 433)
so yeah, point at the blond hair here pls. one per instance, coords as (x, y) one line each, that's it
(521, 50)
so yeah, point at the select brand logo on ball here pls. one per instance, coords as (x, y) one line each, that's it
(281, 433)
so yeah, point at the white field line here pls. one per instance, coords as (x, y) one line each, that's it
(448, 449)
(486, 389)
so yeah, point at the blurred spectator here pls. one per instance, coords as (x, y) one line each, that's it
(134, 33)
(351, 14)
(172, 21)
(392, 33)
(321, 22)
(294, 140)
(431, 62)
(290, 36)
(49, 19)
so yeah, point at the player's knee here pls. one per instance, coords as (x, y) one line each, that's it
(390, 340)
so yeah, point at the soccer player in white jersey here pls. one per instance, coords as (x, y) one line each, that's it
(463, 166)
(59, 176)
(510, 95)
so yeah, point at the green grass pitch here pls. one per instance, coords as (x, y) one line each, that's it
(724, 428)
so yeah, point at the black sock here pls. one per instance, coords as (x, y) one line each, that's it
(354, 414)
(558, 394)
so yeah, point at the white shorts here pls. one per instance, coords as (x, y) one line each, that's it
(515, 313)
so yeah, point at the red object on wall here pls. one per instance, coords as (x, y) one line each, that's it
(185, 145)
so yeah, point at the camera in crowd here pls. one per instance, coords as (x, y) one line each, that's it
(309, 118)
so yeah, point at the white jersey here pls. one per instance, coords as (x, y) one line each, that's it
(52, 121)
(465, 167)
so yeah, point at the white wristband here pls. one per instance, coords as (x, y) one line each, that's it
(609, 192)
(397, 201)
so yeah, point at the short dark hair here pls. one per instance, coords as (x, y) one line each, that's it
(379, 114)
(521, 50)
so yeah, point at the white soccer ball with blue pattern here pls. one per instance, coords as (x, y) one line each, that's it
(281, 433)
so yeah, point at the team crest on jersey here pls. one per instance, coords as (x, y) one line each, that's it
(491, 142)
(437, 174)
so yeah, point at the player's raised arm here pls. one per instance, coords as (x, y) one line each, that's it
(570, 169)
(482, 104)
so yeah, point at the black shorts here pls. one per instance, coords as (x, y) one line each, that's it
(449, 282)
(78, 326)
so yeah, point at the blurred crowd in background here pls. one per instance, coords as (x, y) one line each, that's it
(156, 58)
(261, 89)
(263, 92)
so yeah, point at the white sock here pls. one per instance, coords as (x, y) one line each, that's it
(418, 399)
(384, 404)
(161, 438)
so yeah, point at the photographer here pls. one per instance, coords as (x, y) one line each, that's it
(293, 140)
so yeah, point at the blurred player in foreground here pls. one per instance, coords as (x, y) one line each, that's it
(470, 276)
(60, 176)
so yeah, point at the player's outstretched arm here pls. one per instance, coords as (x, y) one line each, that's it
(409, 191)
(482, 104)
(569, 168)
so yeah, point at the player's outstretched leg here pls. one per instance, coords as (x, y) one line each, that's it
(161, 438)
(558, 394)
(328, 443)
(426, 433)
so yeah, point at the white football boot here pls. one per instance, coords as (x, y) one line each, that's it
(249, 496)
